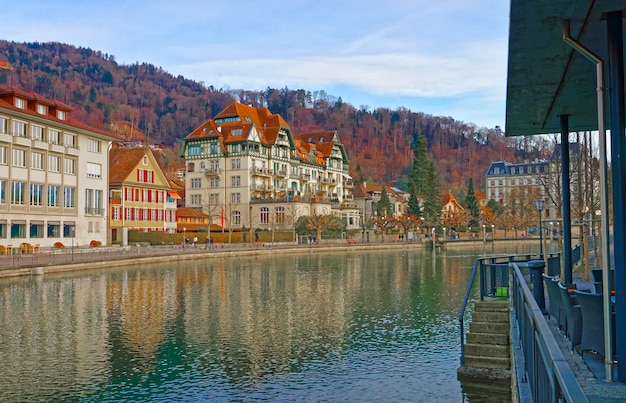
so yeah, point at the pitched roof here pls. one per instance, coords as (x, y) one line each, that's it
(8, 94)
(123, 160)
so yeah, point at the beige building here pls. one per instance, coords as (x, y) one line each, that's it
(53, 173)
(245, 168)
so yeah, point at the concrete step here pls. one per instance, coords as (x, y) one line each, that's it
(491, 317)
(487, 327)
(492, 306)
(487, 362)
(487, 350)
(487, 338)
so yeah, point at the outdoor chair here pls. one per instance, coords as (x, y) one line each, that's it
(9, 249)
(555, 307)
(592, 310)
(26, 248)
(573, 316)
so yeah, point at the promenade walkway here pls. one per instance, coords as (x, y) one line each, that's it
(588, 368)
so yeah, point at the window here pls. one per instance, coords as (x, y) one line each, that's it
(54, 230)
(36, 230)
(3, 192)
(19, 158)
(280, 215)
(213, 148)
(195, 149)
(20, 103)
(214, 182)
(196, 200)
(213, 198)
(235, 181)
(265, 215)
(70, 166)
(61, 115)
(69, 197)
(70, 140)
(144, 160)
(236, 218)
(93, 146)
(3, 155)
(36, 160)
(53, 136)
(36, 132)
(235, 163)
(235, 148)
(145, 175)
(53, 163)
(196, 183)
(116, 213)
(36, 190)
(190, 167)
(19, 129)
(235, 197)
(94, 170)
(18, 230)
(3, 230)
(53, 196)
(4, 125)
(42, 109)
(69, 230)
(17, 192)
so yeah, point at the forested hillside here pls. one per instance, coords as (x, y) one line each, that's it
(162, 108)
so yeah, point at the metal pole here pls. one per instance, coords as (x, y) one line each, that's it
(540, 237)
(567, 215)
(615, 47)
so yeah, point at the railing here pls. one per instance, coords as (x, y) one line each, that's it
(546, 371)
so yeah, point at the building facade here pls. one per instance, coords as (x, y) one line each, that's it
(140, 195)
(246, 169)
(53, 173)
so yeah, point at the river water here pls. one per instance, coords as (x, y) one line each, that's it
(340, 327)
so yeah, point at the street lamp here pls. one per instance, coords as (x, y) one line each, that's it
(493, 233)
(470, 232)
(539, 204)
(184, 238)
(484, 234)
(444, 233)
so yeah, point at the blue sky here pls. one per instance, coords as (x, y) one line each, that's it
(444, 57)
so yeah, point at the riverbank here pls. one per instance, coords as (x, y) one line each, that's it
(75, 259)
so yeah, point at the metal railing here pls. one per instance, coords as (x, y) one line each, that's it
(545, 370)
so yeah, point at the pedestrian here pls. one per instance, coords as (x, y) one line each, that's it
(206, 243)
(195, 241)
(211, 243)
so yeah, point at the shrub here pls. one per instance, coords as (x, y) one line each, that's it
(59, 245)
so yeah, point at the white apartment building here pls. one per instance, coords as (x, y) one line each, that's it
(246, 169)
(53, 173)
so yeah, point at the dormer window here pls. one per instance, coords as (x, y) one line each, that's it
(20, 103)
(61, 115)
(42, 109)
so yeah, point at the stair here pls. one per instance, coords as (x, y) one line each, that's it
(488, 350)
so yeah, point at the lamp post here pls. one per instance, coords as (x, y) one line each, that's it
(493, 233)
(470, 232)
(444, 233)
(184, 238)
(484, 234)
(539, 204)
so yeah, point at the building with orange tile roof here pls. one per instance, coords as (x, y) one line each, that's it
(141, 197)
(245, 168)
(53, 173)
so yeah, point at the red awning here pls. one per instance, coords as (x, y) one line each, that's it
(174, 195)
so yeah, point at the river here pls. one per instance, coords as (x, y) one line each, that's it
(338, 327)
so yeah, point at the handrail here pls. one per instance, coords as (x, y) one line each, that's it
(546, 371)
(480, 263)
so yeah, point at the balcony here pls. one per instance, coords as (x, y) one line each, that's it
(348, 197)
(333, 181)
(324, 180)
(260, 171)
(212, 172)
(94, 211)
(305, 177)
(348, 182)
(281, 173)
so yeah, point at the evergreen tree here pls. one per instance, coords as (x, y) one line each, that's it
(471, 203)
(383, 207)
(417, 176)
(423, 182)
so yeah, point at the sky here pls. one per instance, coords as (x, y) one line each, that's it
(444, 57)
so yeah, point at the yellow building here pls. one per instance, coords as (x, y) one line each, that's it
(140, 197)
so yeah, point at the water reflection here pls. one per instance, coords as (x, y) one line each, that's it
(341, 327)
